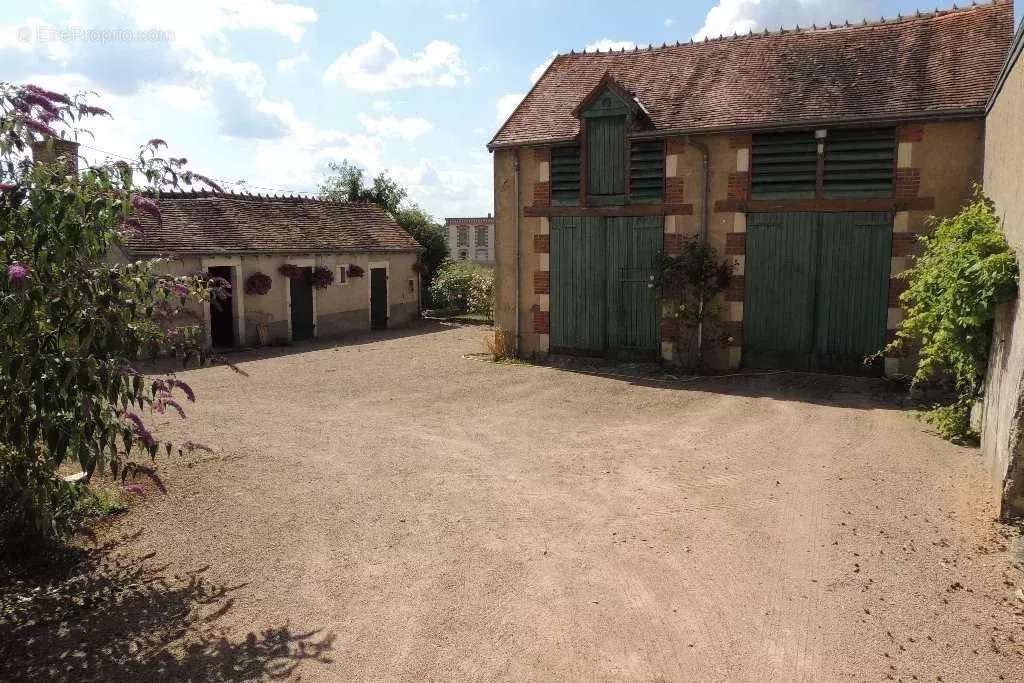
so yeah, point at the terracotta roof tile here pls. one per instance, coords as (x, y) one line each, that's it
(222, 223)
(937, 64)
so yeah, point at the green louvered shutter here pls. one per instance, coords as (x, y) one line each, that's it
(647, 171)
(565, 175)
(606, 158)
(784, 166)
(860, 163)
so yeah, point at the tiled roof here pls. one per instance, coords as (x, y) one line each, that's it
(468, 221)
(941, 63)
(228, 223)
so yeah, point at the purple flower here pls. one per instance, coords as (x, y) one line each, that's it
(89, 110)
(156, 143)
(164, 402)
(18, 272)
(137, 489)
(140, 429)
(189, 394)
(39, 127)
(7, 187)
(36, 100)
(180, 289)
(131, 225)
(48, 94)
(145, 204)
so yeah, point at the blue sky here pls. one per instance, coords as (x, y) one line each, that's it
(270, 92)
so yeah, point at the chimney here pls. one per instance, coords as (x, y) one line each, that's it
(51, 150)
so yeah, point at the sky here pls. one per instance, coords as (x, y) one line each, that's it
(262, 95)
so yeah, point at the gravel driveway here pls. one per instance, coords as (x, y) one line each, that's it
(389, 509)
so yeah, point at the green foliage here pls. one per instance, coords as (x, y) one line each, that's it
(464, 287)
(72, 323)
(431, 236)
(965, 271)
(691, 284)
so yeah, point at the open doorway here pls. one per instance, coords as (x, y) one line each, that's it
(222, 310)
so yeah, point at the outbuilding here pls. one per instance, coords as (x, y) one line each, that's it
(299, 268)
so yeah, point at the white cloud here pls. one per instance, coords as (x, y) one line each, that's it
(506, 105)
(377, 66)
(392, 126)
(669, 22)
(450, 187)
(289, 63)
(606, 44)
(457, 17)
(742, 16)
(541, 68)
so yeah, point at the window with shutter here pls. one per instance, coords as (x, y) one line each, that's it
(784, 166)
(860, 163)
(606, 158)
(647, 171)
(565, 175)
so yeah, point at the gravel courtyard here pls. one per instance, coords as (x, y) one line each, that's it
(389, 509)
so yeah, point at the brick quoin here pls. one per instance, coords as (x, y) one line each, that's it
(904, 244)
(673, 190)
(896, 287)
(741, 141)
(675, 146)
(735, 290)
(544, 154)
(736, 244)
(908, 183)
(542, 194)
(673, 244)
(739, 186)
(910, 132)
(542, 244)
(542, 282)
(541, 322)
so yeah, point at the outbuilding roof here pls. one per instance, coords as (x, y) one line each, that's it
(228, 223)
(939, 64)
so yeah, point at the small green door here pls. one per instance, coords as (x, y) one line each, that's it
(816, 290)
(603, 294)
(301, 293)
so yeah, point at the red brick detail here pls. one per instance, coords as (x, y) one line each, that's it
(674, 190)
(544, 154)
(741, 141)
(735, 290)
(896, 287)
(542, 244)
(675, 146)
(542, 194)
(910, 132)
(739, 186)
(908, 183)
(541, 322)
(736, 244)
(673, 244)
(542, 282)
(732, 334)
(904, 244)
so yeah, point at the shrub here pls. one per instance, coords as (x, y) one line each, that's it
(322, 277)
(965, 271)
(464, 287)
(258, 284)
(291, 271)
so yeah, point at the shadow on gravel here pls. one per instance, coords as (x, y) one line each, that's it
(99, 617)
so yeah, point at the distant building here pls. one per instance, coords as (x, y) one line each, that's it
(471, 239)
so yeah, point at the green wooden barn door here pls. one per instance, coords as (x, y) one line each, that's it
(634, 246)
(578, 298)
(853, 289)
(780, 274)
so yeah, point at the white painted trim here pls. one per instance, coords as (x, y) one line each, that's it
(341, 274)
(237, 294)
(742, 160)
(301, 263)
(543, 172)
(671, 165)
(386, 265)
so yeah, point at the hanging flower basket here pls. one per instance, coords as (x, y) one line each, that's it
(291, 271)
(258, 284)
(355, 271)
(322, 277)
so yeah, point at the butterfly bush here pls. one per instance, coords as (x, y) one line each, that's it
(75, 324)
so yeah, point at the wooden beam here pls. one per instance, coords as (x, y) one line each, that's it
(614, 211)
(824, 205)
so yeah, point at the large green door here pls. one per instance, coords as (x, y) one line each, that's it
(816, 289)
(578, 297)
(603, 298)
(780, 271)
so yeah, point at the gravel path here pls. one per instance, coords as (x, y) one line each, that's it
(412, 515)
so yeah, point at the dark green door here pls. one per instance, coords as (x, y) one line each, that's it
(301, 290)
(378, 298)
(603, 294)
(816, 289)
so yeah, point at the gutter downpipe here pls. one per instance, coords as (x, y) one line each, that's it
(706, 159)
(519, 209)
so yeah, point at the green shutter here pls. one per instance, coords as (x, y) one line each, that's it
(565, 175)
(784, 166)
(578, 297)
(606, 158)
(647, 171)
(860, 163)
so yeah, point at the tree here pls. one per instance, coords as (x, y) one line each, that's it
(431, 236)
(73, 325)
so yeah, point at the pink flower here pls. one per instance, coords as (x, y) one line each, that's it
(189, 394)
(89, 110)
(7, 187)
(145, 204)
(131, 225)
(140, 429)
(18, 272)
(36, 100)
(39, 127)
(48, 94)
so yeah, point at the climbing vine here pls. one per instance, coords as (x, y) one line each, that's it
(965, 271)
